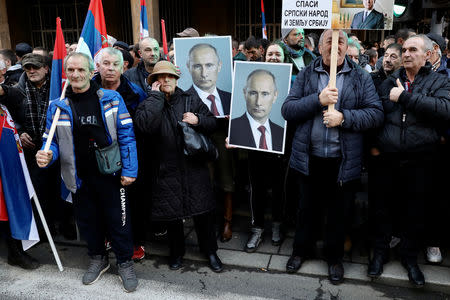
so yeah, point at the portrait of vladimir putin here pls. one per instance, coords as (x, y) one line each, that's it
(204, 65)
(254, 128)
(369, 18)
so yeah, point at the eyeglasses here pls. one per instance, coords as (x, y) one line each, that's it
(28, 67)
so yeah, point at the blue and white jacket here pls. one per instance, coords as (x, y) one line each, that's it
(118, 125)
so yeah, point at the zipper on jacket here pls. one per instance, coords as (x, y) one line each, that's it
(403, 127)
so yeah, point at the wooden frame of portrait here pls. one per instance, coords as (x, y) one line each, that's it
(352, 3)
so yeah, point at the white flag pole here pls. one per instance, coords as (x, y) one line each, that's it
(47, 232)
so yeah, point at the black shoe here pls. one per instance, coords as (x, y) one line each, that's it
(68, 230)
(175, 263)
(214, 263)
(376, 266)
(294, 263)
(415, 275)
(18, 257)
(336, 273)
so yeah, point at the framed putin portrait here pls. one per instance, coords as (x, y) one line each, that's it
(206, 70)
(259, 90)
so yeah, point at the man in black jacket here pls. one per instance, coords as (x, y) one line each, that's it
(149, 52)
(416, 101)
(392, 61)
(28, 103)
(13, 69)
(327, 148)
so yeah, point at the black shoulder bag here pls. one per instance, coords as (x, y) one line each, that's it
(196, 144)
(108, 158)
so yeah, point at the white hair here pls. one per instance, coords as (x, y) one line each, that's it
(110, 51)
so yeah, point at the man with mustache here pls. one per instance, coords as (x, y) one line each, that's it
(293, 44)
(149, 52)
(327, 148)
(392, 61)
(416, 102)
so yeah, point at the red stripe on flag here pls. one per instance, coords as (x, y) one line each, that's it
(3, 211)
(96, 7)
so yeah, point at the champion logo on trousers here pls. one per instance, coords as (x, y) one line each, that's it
(122, 204)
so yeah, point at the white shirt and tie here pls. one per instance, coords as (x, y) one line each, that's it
(206, 98)
(257, 132)
(366, 14)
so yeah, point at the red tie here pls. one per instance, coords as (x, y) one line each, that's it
(213, 105)
(262, 139)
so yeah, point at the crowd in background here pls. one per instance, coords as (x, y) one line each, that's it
(391, 122)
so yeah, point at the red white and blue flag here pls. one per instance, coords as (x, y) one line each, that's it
(59, 53)
(263, 16)
(93, 36)
(144, 21)
(16, 187)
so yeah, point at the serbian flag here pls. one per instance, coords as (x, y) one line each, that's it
(144, 22)
(59, 53)
(93, 36)
(17, 189)
(263, 16)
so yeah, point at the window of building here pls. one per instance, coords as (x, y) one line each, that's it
(42, 20)
(248, 19)
(176, 15)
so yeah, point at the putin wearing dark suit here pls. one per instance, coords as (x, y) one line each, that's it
(204, 65)
(369, 18)
(254, 129)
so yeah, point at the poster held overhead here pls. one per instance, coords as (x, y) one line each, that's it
(335, 15)
(338, 14)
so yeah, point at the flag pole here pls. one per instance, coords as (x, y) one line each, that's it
(164, 39)
(333, 63)
(47, 232)
(55, 118)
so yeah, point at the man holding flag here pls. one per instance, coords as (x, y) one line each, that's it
(94, 118)
(32, 96)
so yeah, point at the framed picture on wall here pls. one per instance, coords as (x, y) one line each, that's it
(352, 3)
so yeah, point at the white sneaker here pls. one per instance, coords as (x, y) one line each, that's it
(434, 255)
(254, 240)
(394, 242)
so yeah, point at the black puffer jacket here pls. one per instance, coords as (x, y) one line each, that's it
(181, 186)
(414, 123)
(138, 75)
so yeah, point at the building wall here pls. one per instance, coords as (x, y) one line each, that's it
(213, 16)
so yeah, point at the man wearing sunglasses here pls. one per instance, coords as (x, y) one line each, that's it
(28, 103)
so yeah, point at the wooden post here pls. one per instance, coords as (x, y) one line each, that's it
(333, 63)
(135, 6)
(154, 28)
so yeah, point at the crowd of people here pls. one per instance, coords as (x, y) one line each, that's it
(391, 118)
